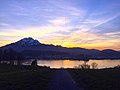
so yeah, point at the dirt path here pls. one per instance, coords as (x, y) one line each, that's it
(62, 80)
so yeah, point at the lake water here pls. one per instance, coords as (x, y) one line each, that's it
(73, 63)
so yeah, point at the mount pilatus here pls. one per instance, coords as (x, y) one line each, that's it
(32, 48)
(28, 42)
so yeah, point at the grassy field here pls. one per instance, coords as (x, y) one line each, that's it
(24, 77)
(37, 78)
(103, 79)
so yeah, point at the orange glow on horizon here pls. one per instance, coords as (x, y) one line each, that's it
(5, 42)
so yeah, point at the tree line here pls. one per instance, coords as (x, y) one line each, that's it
(9, 56)
(86, 66)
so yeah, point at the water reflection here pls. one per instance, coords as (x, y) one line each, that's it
(72, 63)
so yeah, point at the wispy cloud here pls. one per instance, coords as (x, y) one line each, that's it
(105, 20)
(59, 21)
(29, 31)
(4, 24)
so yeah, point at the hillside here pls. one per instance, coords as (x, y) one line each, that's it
(32, 48)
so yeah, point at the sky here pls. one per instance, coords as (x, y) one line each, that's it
(91, 24)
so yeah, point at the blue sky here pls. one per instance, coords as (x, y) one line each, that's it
(70, 23)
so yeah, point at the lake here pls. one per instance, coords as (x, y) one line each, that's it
(73, 63)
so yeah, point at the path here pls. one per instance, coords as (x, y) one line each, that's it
(62, 80)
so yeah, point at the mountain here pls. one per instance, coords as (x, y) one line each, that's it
(28, 42)
(32, 48)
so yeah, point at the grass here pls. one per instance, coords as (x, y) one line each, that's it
(24, 77)
(37, 78)
(99, 79)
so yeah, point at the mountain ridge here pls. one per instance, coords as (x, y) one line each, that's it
(34, 49)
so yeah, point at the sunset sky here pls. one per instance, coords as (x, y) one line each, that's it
(70, 23)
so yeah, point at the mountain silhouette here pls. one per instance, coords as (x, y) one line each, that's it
(28, 42)
(32, 48)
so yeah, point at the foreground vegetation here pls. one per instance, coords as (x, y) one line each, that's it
(19, 77)
(24, 77)
(97, 79)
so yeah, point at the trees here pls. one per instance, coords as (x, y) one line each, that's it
(11, 56)
(94, 65)
(83, 66)
(0, 55)
(19, 58)
(87, 66)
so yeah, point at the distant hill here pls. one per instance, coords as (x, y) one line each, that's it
(32, 48)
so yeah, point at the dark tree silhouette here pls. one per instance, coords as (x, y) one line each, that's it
(19, 58)
(94, 65)
(11, 56)
(1, 55)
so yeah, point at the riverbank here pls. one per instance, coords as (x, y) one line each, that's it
(24, 77)
(99, 79)
(39, 78)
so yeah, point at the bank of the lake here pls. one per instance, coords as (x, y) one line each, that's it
(24, 77)
(38, 78)
(99, 79)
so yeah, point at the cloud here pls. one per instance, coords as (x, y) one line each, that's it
(29, 31)
(21, 14)
(4, 24)
(65, 8)
(105, 20)
(59, 21)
